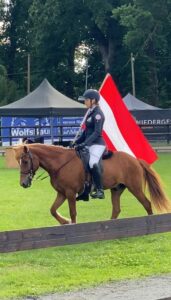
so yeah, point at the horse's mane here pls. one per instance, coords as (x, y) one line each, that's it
(20, 148)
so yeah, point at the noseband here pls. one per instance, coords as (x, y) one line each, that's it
(31, 171)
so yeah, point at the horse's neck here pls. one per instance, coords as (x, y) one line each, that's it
(50, 159)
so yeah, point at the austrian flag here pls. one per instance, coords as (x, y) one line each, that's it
(120, 130)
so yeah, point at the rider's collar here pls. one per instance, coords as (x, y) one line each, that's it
(92, 108)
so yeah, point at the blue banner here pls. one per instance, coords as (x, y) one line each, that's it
(20, 127)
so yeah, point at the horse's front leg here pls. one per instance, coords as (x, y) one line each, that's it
(57, 203)
(71, 196)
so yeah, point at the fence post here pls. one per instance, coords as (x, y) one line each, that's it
(168, 135)
(51, 128)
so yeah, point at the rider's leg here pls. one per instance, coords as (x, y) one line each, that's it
(97, 178)
(96, 152)
(84, 195)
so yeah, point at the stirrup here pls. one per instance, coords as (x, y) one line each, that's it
(83, 196)
(98, 194)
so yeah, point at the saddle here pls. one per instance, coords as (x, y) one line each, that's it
(84, 155)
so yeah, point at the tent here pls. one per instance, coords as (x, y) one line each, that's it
(46, 108)
(146, 114)
(133, 103)
(45, 100)
(154, 121)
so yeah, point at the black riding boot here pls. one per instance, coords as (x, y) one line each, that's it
(85, 193)
(97, 179)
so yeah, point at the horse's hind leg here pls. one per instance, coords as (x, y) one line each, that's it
(116, 202)
(57, 203)
(138, 193)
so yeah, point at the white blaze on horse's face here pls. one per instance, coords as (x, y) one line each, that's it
(28, 162)
(26, 168)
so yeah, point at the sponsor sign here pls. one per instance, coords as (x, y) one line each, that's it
(15, 128)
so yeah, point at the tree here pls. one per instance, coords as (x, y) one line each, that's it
(15, 36)
(55, 36)
(52, 31)
(60, 27)
(148, 36)
(7, 88)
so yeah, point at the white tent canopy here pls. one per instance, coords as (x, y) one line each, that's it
(132, 103)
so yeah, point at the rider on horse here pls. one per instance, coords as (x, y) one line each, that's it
(91, 138)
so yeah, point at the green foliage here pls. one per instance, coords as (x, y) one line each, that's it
(147, 35)
(7, 88)
(2, 6)
(15, 44)
(3, 82)
(52, 30)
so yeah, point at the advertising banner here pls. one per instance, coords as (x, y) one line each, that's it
(13, 129)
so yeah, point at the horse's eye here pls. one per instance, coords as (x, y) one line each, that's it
(25, 162)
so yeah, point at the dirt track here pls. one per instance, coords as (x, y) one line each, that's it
(153, 288)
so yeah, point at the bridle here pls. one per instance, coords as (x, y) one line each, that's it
(31, 171)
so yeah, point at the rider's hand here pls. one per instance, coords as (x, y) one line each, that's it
(80, 146)
(71, 145)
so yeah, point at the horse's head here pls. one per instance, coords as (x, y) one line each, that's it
(29, 164)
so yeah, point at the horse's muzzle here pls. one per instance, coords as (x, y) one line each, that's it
(26, 183)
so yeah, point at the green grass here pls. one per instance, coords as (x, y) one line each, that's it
(71, 267)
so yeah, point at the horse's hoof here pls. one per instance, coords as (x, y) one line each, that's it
(66, 222)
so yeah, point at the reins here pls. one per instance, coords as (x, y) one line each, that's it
(66, 163)
(39, 176)
(63, 165)
(31, 172)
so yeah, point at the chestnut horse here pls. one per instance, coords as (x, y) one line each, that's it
(67, 177)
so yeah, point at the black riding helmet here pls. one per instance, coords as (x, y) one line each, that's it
(90, 94)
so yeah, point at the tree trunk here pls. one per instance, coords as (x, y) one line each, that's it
(153, 76)
(70, 79)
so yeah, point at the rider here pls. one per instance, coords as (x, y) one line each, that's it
(91, 138)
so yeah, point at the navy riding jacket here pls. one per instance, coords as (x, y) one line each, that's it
(92, 134)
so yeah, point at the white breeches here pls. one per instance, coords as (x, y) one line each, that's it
(96, 152)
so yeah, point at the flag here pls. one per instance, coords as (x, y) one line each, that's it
(120, 130)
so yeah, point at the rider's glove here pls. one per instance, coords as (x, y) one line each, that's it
(80, 146)
(72, 145)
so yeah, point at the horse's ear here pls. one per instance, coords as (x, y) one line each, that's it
(17, 151)
(26, 150)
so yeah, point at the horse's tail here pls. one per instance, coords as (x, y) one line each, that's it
(157, 195)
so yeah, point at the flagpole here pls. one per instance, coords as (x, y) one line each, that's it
(133, 74)
(80, 128)
(86, 79)
(28, 74)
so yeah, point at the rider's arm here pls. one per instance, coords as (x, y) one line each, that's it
(97, 130)
(81, 138)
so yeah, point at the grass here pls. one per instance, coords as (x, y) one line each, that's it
(60, 269)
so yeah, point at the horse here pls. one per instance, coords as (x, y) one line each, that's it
(67, 177)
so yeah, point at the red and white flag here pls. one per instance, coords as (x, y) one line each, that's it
(120, 130)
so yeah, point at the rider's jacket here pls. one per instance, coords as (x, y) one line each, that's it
(92, 133)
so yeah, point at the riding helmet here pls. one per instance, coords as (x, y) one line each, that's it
(90, 94)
